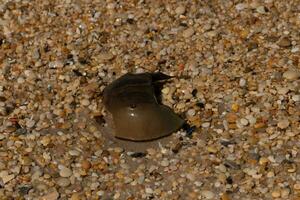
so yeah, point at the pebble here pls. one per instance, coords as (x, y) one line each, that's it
(208, 194)
(30, 123)
(51, 196)
(74, 153)
(291, 75)
(180, 10)
(295, 98)
(244, 122)
(85, 102)
(2, 136)
(188, 32)
(149, 191)
(191, 112)
(261, 9)
(283, 124)
(284, 42)
(65, 172)
(165, 90)
(285, 192)
(63, 182)
(6, 177)
(205, 125)
(242, 82)
(86, 165)
(164, 163)
(297, 186)
(282, 90)
(276, 194)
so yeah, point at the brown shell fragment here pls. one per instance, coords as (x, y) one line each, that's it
(136, 113)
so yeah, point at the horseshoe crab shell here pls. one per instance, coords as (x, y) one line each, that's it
(136, 113)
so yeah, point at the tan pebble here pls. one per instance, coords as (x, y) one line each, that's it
(297, 186)
(284, 42)
(86, 165)
(263, 160)
(119, 175)
(63, 182)
(45, 141)
(285, 192)
(276, 193)
(180, 10)
(232, 126)
(30, 123)
(85, 102)
(225, 196)
(291, 75)
(212, 149)
(51, 196)
(259, 125)
(231, 117)
(148, 190)
(283, 124)
(296, 98)
(165, 90)
(6, 177)
(244, 122)
(65, 172)
(75, 196)
(188, 32)
(208, 194)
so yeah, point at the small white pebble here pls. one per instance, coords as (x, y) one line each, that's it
(205, 125)
(30, 123)
(191, 112)
(296, 97)
(165, 90)
(244, 122)
(242, 82)
(148, 190)
(165, 163)
(208, 194)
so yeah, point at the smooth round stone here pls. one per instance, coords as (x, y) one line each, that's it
(180, 10)
(291, 75)
(191, 112)
(74, 153)
(283, 124)
(296, 97)
(276, 194)
(30, 123)
(65, 172)
(148, 190)
(205, 125)
(208, 194)
(63, 182)
(85, 102)
(283, 90)
(188, 32)
(165, 90)
(165, 163)
(297, 186)
(244, 122)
